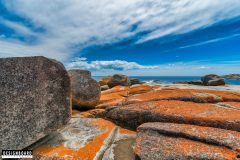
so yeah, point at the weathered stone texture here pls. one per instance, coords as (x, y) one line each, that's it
(34, 100)
(86, 91)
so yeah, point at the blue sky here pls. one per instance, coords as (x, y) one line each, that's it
(134, 37)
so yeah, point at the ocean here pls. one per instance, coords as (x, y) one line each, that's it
(171, 79)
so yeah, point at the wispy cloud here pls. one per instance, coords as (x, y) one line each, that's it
(211, 41)
(73, 25)
(82, 63)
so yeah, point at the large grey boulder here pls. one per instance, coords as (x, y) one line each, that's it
(85, 90)
(34, 100)
(212, 80)
(119, 80)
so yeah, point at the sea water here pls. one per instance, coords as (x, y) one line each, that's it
(172, 79)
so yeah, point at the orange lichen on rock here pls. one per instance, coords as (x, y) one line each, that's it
(225, 96)
(233, 104)
(151, 145)
(217, 136)
(104, 80)
(121, 90)
(87, 152)
(126, 131)
(176, 111)
(92, 113)
(171, 94)
(110, 97)
(138, 89)
(114, 96)
(115, 102)
(194, 95)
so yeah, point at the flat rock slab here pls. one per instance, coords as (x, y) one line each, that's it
(160, 141)
(234, 105)
(82, 138)
(215, 136)
(35, 100)
(193, 95)
(203, 114)
(118, 94)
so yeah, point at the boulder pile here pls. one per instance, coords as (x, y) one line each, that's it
(213, 80)
(174, 123)
(126, 120)
(232, 76)
(117, 80)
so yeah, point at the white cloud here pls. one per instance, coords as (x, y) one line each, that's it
(82, 63)
(178, 69)
(74, 24)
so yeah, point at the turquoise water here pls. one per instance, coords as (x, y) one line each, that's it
(171, 79)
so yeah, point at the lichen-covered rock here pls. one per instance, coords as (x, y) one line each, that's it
(35, 100)
(193, 95)
(82, 138)
(212, 80)
(113, 96)
(86, 91)
(202, 114)
(139, 89)
(119, 80)
(179, 141)
(194, 82)
(219, 137)
(104, 81)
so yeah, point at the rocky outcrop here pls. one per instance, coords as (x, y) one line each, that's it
(216, 82)
(118, 95)
(212, 80)
(192, 95)
(196, 82)
(35, 100)
(175, 111)
(119, 80)
(182, 141)
(85, 138)
(232, 76)
(104, 81)
(85, 90)
(134, 81)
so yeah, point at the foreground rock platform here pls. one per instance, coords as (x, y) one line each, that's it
(35, 100)
(180, 141)
(204, 114)
(88, 139)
